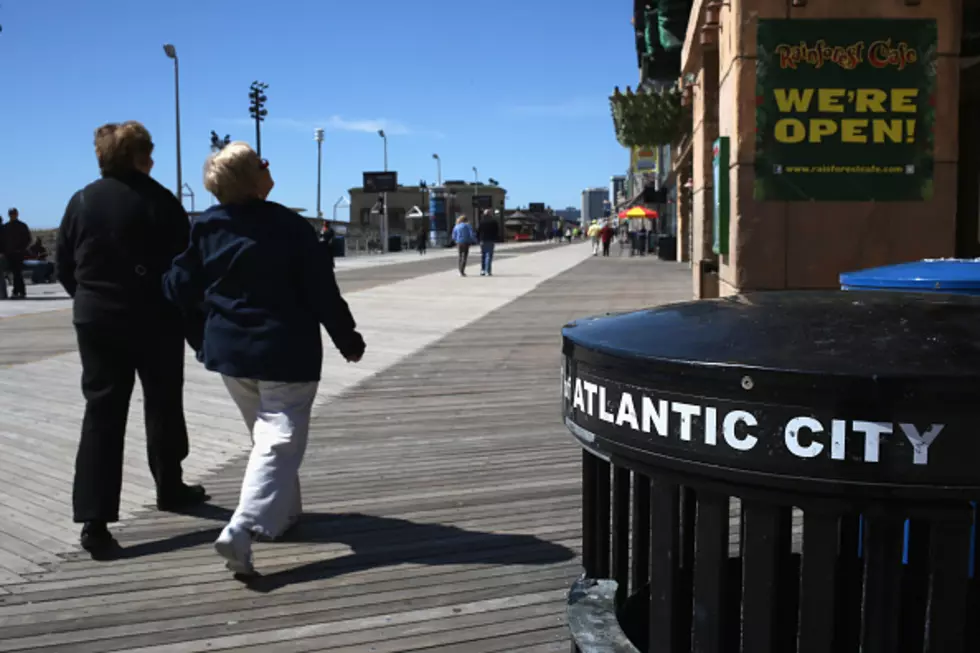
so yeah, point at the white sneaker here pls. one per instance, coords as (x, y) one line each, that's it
(235, 546)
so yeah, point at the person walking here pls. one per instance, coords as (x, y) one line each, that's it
(593, 234)
(488, 234)
(463, 236)
(3, 260)
(116, 239)
(422, 242)
(606, 237)
(17, 240)
(260, 288)
(327, 236)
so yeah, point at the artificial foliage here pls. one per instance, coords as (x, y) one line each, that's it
(648, 118)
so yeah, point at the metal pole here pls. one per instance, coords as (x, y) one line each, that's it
(318, 136)
(180, 181)
(384, 201)
(258, 134)
(319, 173)
(476, 191)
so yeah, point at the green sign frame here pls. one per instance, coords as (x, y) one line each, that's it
(721, 167)
(845, 109)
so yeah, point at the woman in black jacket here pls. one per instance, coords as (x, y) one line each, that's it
(257, 273)
(117, 238)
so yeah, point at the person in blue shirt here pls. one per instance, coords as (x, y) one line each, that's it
(463, 236)
(256, 277)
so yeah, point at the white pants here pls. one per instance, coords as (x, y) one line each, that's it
(278, 417)
(595, 246)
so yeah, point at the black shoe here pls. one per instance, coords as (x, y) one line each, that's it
(182, 498)
(98, 541)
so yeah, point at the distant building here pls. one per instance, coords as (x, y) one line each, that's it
(617, 190)
(594, 204)
(365, 220)
(570, 214)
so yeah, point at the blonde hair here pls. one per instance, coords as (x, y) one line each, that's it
(231, 174)
(461, 219)
(122, 147)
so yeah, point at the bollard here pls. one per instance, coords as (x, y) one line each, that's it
(738, 452)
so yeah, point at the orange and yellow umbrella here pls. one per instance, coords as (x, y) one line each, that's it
(639, 212)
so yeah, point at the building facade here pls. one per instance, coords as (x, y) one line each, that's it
(827, 137)
(365, 220)
(594, 204)
(570, 214)
(617, 190)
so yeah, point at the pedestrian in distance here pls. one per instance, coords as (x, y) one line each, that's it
(606, 237)
(464, 237)
(3, 260)
(422, 242)
(116, 239)
(327, 236)
(593, 234)
(17, 240)
(255, 277)
(488, 234)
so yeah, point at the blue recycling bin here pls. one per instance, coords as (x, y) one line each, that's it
(951, 276)
(954, 276)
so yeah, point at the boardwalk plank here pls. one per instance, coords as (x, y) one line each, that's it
(443, 496)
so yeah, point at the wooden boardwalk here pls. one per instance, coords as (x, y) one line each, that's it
(441, 488)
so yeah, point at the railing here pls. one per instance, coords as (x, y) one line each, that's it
(725, 509)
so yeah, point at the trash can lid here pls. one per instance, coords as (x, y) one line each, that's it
(925, 275)
(867, 335)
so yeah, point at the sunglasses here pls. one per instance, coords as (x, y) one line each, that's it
(264, 164)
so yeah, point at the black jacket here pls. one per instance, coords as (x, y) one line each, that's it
(262, 280)
(489, 231)
(117, 238)
(17, 239)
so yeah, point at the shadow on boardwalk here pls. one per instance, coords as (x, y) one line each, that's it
(375, 541)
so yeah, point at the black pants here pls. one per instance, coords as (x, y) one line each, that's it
(16, 266)
(464, 255)
(605, 247)
(112, 357)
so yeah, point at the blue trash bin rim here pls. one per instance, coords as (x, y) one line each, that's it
(928, 274)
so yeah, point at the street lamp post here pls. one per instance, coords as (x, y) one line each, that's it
(476, 191)
(384, 200)
(318, 136)
(438, 170)
(499, 212)
(171, 52)
(257, 110)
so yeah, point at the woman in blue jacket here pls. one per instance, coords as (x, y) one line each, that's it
(255, 275)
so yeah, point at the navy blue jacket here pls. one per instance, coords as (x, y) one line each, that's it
(257, 275)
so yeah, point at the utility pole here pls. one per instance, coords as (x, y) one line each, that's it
(384, 200)
(476, 191)
(318, 136)
(438, 170)
(257, 110)
(171, 52)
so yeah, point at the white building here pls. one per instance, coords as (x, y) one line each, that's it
(617, 190)
(594, 204)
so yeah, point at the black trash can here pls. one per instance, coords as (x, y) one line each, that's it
(730, 450)
(339, 246)
(394, 243)
(948, 276)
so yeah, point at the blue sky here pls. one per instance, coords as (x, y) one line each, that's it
(517, 88)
